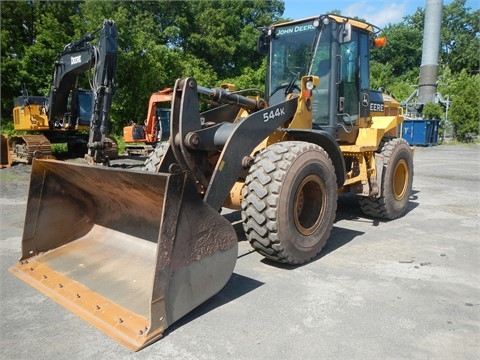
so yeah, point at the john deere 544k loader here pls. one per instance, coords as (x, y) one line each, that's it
(132, 252)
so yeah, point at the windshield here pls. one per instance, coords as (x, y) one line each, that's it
(163, 122)
(290, 57)
(298, 50)
(339, 61)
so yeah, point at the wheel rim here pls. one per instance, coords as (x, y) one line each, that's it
(400, 179)
(309, 204)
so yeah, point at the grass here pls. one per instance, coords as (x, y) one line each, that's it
(452, 142)
(121, 143)
(59, 150)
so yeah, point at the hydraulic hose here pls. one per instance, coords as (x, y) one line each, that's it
(221, 95)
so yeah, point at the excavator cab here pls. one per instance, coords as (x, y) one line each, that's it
(83, 110)
(163, 123)
(156, 128)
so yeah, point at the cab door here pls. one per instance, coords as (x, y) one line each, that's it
(354, 84)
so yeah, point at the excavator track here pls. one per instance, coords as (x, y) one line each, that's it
(29, 147)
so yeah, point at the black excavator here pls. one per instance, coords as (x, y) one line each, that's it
(70, 114)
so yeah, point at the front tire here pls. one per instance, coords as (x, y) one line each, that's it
(152, 163)
(289, 201)
(396, 182)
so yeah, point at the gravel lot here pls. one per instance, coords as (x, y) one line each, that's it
(404, 289)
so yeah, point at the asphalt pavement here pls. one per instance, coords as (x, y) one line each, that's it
(402, 289)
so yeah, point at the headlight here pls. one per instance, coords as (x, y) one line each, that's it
(309, 85)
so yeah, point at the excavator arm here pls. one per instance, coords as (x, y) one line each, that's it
(105, 57)
(73, 61)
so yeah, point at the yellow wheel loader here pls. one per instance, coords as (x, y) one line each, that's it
(132, 252)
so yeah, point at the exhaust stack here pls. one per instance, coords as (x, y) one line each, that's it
(427, 87)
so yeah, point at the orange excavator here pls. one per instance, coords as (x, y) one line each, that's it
(141, 139)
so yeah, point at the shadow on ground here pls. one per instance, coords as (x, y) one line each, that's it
(236, 287)
(348, 209)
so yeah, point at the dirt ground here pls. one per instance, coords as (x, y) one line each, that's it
(403, 289)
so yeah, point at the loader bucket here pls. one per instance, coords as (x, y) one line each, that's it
(129, 252)
(6, 158)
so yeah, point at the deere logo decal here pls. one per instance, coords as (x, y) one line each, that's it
(75, 60)
(294, 29)
(376, 107)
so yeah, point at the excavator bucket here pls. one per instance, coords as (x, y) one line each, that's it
(6, 158)
(129, 252)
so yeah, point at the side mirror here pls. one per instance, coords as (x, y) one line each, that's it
(345, 33)
(263, 42)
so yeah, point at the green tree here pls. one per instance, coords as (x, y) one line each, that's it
(432, 111)
(16, 33)
(32, 35)
(381, 76)
(464, 113)
(396, 67)
(145, 61)
(460, 37)
(460, 41)
(52, 31)
(223, 33)
(403, 52)
(159, 41)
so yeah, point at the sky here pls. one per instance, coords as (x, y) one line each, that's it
(376, 12)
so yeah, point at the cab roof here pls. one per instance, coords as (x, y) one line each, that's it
(339, 19)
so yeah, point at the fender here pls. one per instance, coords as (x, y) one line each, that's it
(328, 143)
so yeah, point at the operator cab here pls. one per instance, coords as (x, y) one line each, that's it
(85, 108)
(334, 48)
(163, 123)
(78, 111)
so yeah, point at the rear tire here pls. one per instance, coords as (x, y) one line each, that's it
(289, 201)
(397, 180)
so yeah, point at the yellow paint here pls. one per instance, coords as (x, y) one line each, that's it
(380, 126)
(30, 117)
